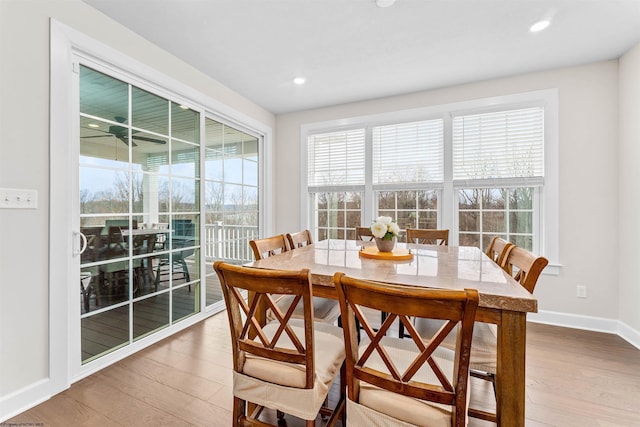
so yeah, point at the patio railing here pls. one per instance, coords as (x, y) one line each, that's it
(229, 243)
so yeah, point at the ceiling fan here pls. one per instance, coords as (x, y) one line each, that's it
(122, 133)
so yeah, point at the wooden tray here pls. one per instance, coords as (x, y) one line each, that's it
(397, 254)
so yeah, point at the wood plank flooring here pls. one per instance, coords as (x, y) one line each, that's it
(574, 378)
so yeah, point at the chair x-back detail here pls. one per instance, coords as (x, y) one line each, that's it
(325, 310)
(428, 236)
(393, 381)
(288, 364)
(299, 239)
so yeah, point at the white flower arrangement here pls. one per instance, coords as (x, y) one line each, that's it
(384, 228)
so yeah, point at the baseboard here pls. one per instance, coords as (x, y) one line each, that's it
(589, 323)
(23, 399)
(630, 335)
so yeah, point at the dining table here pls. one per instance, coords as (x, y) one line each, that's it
(503, 301)
(145, 242)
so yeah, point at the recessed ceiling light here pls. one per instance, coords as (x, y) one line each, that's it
(299, 80)
(385, 3)
(539, 26)
(93, 125)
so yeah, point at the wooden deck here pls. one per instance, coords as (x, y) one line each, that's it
(574, 378)
(109, 330)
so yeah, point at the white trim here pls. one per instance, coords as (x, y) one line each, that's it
(632, 336)
(60, 244)
(447, 200)
(552, 269)
(27, 397)
(550, 194)
(305, 199)
(587, 323)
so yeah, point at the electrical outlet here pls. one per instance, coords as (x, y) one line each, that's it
(581, 291)
(15, 198)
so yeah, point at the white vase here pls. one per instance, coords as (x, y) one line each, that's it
(386, 245)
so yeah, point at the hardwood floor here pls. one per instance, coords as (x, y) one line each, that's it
(574, 378)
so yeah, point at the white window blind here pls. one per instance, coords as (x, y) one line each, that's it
(336, 158)
(408, 152)
(503, 144)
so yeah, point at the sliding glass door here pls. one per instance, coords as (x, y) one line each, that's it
(139, 194)
(164, 191)
(230, 198)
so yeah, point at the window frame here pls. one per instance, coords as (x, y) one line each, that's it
(546, 216)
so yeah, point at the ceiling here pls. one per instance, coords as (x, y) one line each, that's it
(352, 50)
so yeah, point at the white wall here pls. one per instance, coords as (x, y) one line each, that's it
(629, 175)
(588, 134)
(24, 163)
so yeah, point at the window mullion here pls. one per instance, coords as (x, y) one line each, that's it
(536, 226)
(369, 205)
(447, 206)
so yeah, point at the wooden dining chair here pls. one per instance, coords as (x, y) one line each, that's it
(364, 233)
(324, 309)
(115, 274)
(287, 365)
(525, 267)
(428, 236)
(268, 246)
(484, 351)
(498, 250)
(299, 239)
(175, 268)
(393, 381)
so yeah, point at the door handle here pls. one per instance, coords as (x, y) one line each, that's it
(83, 246)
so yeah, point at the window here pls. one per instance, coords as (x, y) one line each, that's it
(337, 214)
(408, 171)
(336, 182)
(411, 209)
(498, 169)
(488, 212)
(481, 168)
(408, 153)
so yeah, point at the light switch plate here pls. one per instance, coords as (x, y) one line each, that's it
(16, 198)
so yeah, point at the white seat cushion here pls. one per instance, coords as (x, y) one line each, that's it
(483, 345)
(278, 385)
(375, 403)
